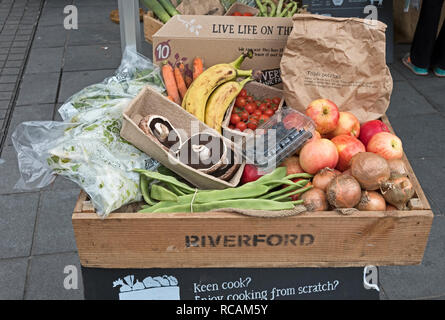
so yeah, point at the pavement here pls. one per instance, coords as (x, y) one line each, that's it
(42, 65)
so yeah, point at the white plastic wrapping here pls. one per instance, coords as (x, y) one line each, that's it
(87, 148)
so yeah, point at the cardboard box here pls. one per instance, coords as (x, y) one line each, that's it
(150, 102)
(222, 39)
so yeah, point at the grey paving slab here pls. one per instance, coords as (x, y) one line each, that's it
(35, 112)
(425, 280)
(38, 88)
(50, 36)
(95, 34)
(54, 231)
(3, 113)
(12, 278)
(18, 214)
(88, 3)
(431, 174)
(8, 79)
(51, 16)
(57, 3)
(406, 101)
(62, 183)
(73, 82)
(421, 134)
(433, 89)
(44, 60)
(13, 64)
(5, 95)
(96, 14)
(7, 86)
(46, 277)
(94, 57)
(4, 104)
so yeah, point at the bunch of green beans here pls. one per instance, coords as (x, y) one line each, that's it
(164, 193)
(268, 8)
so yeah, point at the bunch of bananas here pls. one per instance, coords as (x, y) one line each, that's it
(211, 94)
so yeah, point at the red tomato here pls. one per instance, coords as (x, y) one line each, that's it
(235, 119)
(263, 118)
(241, 126)
(257, 113)
(248, 14)
(276, 100)
(274, 107)
(252, 124)
(244, 115)
(249, 99)
(231, 126)
(237, 14)
(243, 93)
(268, 100)
(262, 107)
(251, 107)
(240, 102)
(269, 112)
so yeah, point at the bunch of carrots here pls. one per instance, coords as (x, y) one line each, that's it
(177, 81)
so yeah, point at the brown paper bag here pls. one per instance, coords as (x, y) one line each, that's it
(340, 59)
(201, 7)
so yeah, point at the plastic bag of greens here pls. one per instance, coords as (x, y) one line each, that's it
(87, 148)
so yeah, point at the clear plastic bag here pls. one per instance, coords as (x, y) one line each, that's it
(87, 148)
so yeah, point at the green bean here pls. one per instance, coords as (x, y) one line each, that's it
(262, 8)
(162, 194)
(296, 185)
(250, 204)
(243, 192)
(294, 10)
(300, 176)
(299, 191)
(166, 179)
(144, 185)
(279, 7)
(273, 8)
(163, 204)
(176, 190)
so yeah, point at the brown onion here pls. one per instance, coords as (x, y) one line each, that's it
(315, 200)
(348, 172)
(370, 170)
(397, 168)
(390, 207)
(371, 201)
(398, 191)
(324, 177)
(344, 192)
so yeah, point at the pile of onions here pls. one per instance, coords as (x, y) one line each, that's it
(344, 192)
(324, 177)
(370, 170)
(397, 168)
(371, 201)
(315, 200)
(398, 191)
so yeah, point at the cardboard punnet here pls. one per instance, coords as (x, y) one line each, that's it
(150, 102)
(242, 8)
(223, 39)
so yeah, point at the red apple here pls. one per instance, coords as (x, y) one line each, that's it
(317, 155)
(347, 147)
(386, 145)
(370, 128)
(325, 114)
(347, 124)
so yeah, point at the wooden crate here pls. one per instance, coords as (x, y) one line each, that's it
(127, 239)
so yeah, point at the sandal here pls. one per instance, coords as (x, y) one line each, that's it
(416, 70)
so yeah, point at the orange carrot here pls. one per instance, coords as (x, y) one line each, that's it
(170, 98)
(170, 83)
(188, 81)
(198, 67)
(182, 69)
(180, 82)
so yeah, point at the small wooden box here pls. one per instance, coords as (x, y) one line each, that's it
(127, 239)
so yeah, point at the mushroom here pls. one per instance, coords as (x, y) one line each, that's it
(161, 129)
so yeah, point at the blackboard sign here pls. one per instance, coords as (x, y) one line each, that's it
(383, 9)
(227, 284)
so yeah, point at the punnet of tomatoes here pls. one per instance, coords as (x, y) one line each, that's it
(239, 14)
(249, 113)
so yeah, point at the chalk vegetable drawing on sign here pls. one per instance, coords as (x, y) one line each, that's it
(151, 288)
(190, 25)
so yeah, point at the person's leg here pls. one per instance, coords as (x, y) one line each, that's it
(439, 53)
(422, 48)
